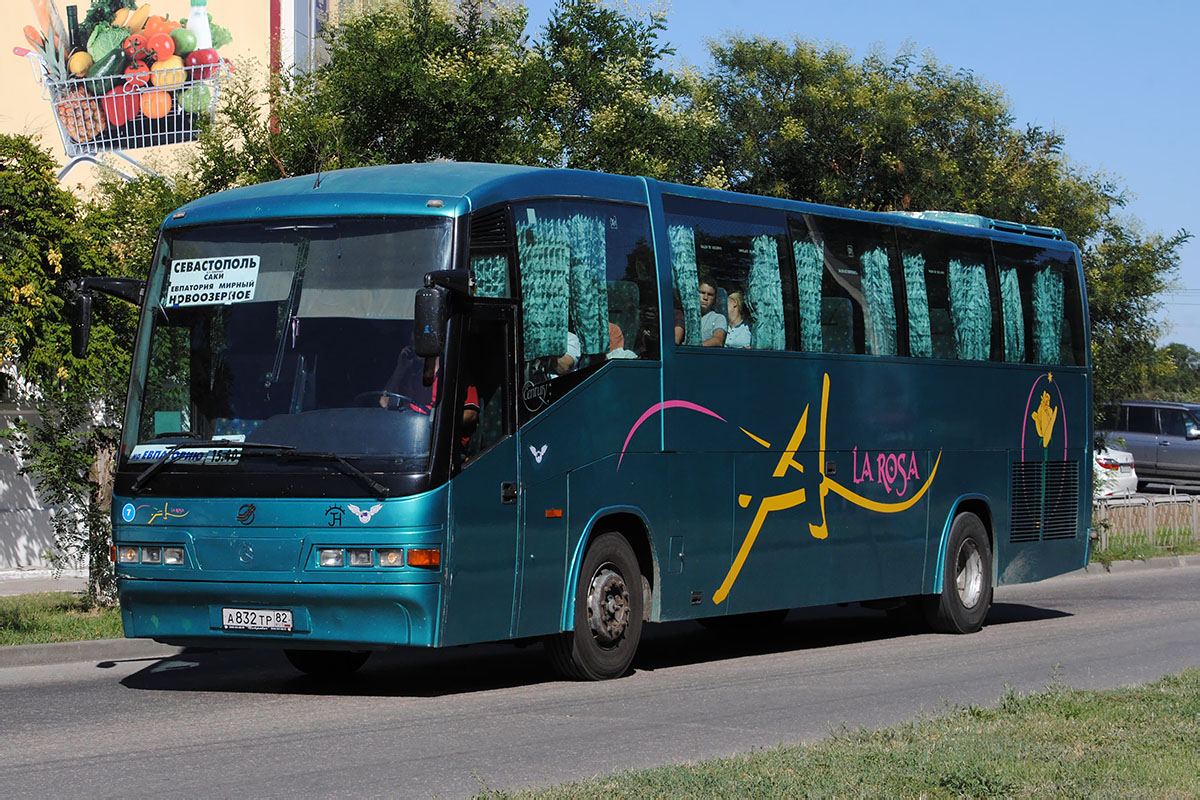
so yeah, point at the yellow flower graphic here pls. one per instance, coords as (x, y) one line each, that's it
(1044, 419)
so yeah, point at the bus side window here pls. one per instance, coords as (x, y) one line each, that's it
(951, 306)
(742, 250)
(858, 280)
(588, 290)
(1037, 286)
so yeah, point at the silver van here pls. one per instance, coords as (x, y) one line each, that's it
(1163, 437)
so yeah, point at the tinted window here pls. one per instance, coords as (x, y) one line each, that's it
(951, 307)
(737, 253)
(1141, 420)
(588, 290)
(847, 279)
(1042, 306)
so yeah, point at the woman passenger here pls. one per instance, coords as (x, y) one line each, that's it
(739, 322)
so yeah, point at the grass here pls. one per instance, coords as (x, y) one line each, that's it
(1131, 742)
(54, 617)
(1138, 546)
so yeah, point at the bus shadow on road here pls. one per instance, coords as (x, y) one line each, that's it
(422, 673)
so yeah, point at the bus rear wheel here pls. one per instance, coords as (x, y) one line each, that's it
(966, 579)
(608, 614)
(327, 663)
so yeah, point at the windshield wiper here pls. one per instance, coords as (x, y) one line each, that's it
(286, 451)
(375, 486)
(222, 444)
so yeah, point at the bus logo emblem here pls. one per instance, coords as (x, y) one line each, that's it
(245, 553)
(245, 514)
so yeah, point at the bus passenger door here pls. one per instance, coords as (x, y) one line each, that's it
(481, 565)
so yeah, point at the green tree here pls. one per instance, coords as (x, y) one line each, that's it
(809, 122)
(45, 244)
(605, 100)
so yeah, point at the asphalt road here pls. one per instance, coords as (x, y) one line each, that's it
(452, 723)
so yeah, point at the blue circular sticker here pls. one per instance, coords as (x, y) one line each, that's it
(128, 512)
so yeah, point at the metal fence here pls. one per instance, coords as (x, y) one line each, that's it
(1167, 520)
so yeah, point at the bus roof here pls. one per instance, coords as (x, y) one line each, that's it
(450, 188)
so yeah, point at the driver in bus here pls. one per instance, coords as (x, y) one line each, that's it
(401, 386)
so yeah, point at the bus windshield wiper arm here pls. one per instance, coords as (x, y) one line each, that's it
(165, 458)
(375, 486)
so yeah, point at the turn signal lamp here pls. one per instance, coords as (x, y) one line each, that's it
(127, 555)
(361, 558)
(331, 558)
(425, 557)
(391, 558)
(173, 555)
(1107, 462)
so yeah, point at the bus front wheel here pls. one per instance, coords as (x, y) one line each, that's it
(966, 579)
(327, 663)
(608, 614)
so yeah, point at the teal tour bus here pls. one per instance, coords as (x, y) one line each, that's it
(435, 404)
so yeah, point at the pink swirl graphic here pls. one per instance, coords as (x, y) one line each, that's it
(657, 407)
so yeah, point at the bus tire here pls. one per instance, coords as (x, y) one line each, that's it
(327, 663)
(607, 614)
(967, 579)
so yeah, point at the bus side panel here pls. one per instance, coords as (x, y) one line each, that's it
(585, 431)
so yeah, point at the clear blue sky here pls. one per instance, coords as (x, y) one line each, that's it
(1121, 81)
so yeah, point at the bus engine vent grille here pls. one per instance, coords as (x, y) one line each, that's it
(489, 229)
(1045, 500)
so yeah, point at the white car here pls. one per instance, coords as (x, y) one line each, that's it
(1115, 475)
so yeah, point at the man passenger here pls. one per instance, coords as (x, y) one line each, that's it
(713, 326)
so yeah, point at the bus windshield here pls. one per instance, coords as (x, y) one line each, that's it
(292, 333)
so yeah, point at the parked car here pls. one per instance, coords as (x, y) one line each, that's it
(1115, 475)
(1163, 437)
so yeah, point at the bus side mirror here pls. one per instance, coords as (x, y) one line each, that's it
(430, 313)
(81, 323)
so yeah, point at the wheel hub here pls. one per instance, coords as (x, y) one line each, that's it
(608, 605)
(969, 574)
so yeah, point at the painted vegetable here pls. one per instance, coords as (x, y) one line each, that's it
(105, 38)
(135, 46)
(195, 100)
(137, 75)
(162, 44)
(120, 105)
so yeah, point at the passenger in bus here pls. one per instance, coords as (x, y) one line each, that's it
(739, 321)
(713, 326)
(569, 360)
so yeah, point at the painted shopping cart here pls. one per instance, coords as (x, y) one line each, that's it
(131, 110)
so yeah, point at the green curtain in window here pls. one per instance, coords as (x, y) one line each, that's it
(880, 305)
(687, 279)
(809, 269)
(765, 296)
(1014, 321)
(1047, 315)
(544, 248)
(491, 275)
(589, 286)
(920, 339)
(970, 310)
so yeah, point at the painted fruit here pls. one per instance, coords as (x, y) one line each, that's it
(185, 41)
(168, 73)
(196, 99)
(162, 44)
(156, 104)
(203, 62)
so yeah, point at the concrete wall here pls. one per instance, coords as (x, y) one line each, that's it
(25, 534)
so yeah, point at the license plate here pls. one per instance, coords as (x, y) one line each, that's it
(256, 619)
(1126, 468)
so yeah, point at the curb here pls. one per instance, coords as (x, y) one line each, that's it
(41, 655)
(1160, 562)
